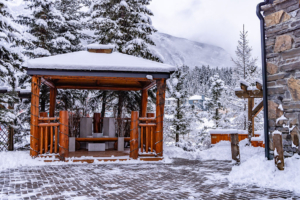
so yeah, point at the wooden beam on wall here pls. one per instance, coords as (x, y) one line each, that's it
(49, 83)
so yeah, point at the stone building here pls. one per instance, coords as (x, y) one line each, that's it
(282, 33)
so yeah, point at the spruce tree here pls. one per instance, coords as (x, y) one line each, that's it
(11, 44)
(245, 65)
(43, 24)
(215, 103)
(69, 35)
(245, 69)
(181, 121)
(125, 23)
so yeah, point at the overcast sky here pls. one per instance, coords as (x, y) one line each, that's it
(216, 22)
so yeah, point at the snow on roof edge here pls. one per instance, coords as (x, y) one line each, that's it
(83, 60)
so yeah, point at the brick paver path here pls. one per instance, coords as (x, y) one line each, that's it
(182, 179)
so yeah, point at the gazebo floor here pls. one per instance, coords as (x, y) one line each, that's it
(85, 156)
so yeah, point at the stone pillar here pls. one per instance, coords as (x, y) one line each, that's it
(283, 71)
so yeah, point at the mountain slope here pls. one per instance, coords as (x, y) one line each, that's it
(179, 51)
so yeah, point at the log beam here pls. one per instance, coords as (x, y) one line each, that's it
(160, 104)
(250, 119)
(257, 109)
(134, 135)
(249, 94)
(35, 99)
(63, 134)
(88, 87)
(149, 86)
(49, 83)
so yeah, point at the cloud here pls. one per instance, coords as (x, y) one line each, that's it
(216, 22)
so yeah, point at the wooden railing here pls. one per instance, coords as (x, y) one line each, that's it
(148, 128)
(148, 138)
(54, 135)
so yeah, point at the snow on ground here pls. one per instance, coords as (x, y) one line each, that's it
(253, 170)
(263, 173)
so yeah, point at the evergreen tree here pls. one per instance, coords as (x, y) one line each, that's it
(215, 103)
(245, 69)
(43, 24)
(11, 44)
(69, 35)
(125, 23)
(181, 121)
(245, 65)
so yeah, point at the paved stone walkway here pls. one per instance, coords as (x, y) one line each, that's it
(183, 179)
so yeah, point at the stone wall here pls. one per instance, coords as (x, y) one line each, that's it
(282, 24)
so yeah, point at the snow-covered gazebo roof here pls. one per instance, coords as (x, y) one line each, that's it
(87, 61)
(98, 61)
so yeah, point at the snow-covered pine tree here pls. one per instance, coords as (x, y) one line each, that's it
(43, 24)
(245, 69)
(69, 33)
(175, 89)
(245, 65)
(125, 23)
(11, 43)
(215, 103)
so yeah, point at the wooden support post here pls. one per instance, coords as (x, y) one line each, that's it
(46, 139)
(56, 139)
(134, 135)
(143, 112)
(160, 104)
(53, 93)
(97, 123)
(63, 134)
(35, 98)
(152, 132)
(51, 140)
(278, 151)
(144, 103)
(250, 119)
(142, 139)
(235, 148)
(42, 140)
(10, 139)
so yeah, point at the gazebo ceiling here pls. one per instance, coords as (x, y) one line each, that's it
(98, 83)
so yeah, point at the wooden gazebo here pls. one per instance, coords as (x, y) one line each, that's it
(98, 68)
